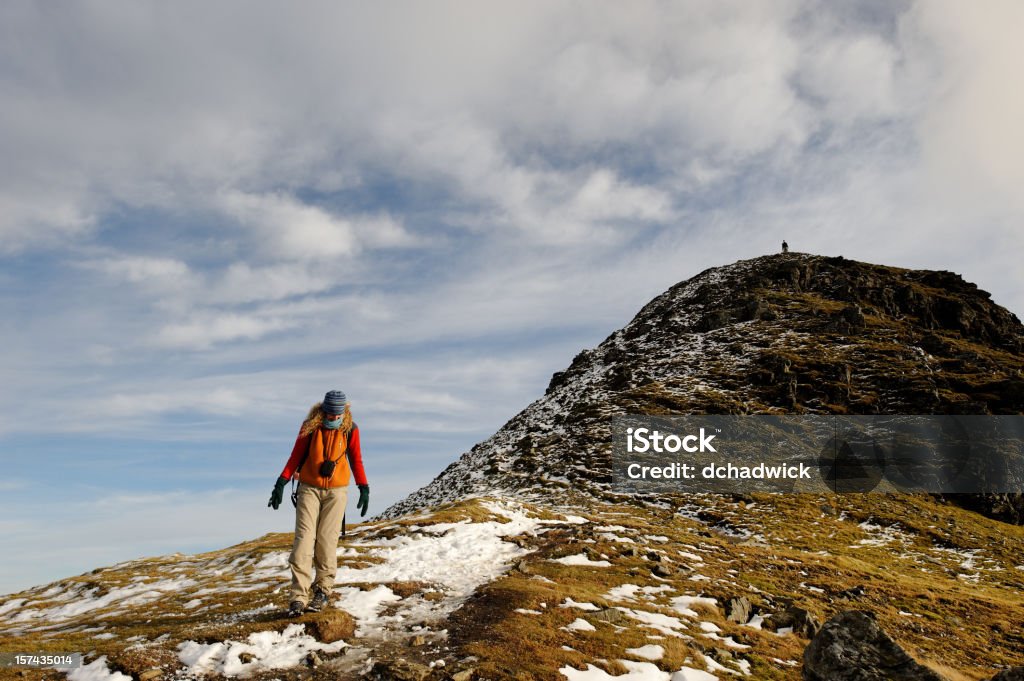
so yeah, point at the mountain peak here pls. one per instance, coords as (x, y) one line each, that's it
(790, 333)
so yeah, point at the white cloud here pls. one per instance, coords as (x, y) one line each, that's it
(383, 231)
(544, 205)
(678, 79)
(163, 272)
(971, 137)
(604, 197)
(210, 327)
(260, 103)
(853, 76)
(291, 228)
(287, 228)
(42, 218)
(243, 283)
(147, 407)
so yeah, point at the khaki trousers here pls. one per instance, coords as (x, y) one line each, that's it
(317, 526)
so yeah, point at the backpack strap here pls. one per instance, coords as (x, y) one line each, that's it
(302, 462)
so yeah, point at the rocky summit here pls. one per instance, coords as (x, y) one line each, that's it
(781, 334)
(521, 561)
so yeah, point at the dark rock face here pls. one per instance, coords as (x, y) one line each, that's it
(1015, 674)
(788, 333)
(1009, 508)
(852, 647)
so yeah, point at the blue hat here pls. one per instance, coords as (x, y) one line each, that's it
(334, 402)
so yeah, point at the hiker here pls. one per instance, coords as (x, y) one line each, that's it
(785, 247)
(325, 452)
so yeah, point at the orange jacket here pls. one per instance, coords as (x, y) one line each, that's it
(324, 444)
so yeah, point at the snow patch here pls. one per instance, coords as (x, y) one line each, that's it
(581, 559)
(649, 652)
(269, 649)
(570, 603)
(666, 624)
(682, 604)
(96, 671)
(638, 671)
(137, 594)
(365, 606)
(580, 624)
(629, 592)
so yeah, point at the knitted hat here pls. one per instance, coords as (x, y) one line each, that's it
(334, 402)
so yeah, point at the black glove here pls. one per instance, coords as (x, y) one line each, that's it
(364, 499)
(278, 494)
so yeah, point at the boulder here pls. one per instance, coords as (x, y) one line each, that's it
(739, 610)
(852, 647)
(662, 570)
(331, 625)
(852, 593)
(801, 621)
(611, 616)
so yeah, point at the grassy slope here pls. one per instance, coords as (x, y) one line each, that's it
(804, 548)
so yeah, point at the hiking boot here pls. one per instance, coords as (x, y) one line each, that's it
(319, 601)
(295, 608)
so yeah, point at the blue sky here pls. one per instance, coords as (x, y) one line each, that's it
(212, 213)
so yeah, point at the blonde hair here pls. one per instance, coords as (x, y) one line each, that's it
(315, 419)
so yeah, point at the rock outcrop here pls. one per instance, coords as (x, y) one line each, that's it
(852, 647)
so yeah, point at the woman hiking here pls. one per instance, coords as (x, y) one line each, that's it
(325, 452)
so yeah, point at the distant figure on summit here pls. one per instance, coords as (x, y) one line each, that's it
(325, 452)
(785, 247)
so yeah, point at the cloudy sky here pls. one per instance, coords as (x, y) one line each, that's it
(211, 213)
